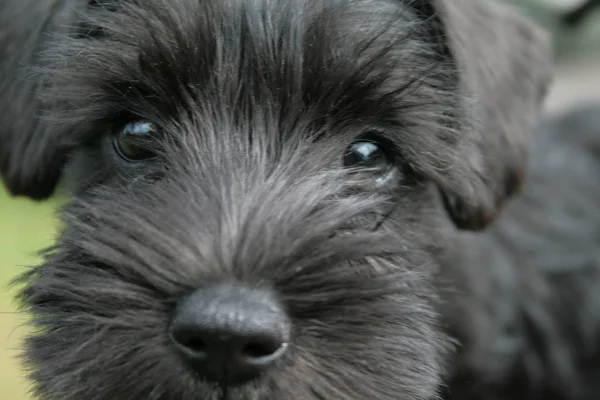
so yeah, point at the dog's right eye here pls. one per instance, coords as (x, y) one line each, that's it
(368, 154)
(129, 142)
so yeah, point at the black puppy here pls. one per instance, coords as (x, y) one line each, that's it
(271, 199)
(530, 322)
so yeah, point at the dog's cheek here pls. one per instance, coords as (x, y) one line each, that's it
(116, 328)
(85, 170)
(370, 350)
(96, 164)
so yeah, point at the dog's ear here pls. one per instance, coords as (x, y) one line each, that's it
(31, 158)
(504, 68)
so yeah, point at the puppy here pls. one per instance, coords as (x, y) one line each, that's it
(285, 199)
(530, 325)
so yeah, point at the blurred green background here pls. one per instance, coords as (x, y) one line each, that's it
(27, 226)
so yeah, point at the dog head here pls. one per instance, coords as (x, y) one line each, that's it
(275, 161)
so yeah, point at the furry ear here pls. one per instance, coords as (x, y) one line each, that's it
(31, 158)
(504, 67)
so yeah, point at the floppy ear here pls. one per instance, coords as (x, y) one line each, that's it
(504, 66)
(31, 158)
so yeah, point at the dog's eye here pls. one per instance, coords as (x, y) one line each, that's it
(368, 154)
(129, 141)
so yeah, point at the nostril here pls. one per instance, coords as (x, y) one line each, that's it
(257, 350)
(263, 352)
(197, 345)
(190, 341)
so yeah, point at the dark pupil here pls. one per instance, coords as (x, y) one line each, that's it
(133, 151)
(366, 154)
(128, 142)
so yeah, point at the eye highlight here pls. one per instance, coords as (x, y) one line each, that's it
(368, 153)
(129, 141)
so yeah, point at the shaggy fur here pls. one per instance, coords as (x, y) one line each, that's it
(532, 318)
(391, 291)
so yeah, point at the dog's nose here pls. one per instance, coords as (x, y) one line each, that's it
(230, 334)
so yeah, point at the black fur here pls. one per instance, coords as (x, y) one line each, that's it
(575, 17)
(254, 103)
(533, 317)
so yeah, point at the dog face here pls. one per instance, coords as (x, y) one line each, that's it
(291, 162)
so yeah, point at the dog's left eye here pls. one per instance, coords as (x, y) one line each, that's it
(129, 142)
(369, 154)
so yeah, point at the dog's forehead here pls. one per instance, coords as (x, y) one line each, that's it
(225, 50)
(226, 66)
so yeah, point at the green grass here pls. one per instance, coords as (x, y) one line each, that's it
(25, 228)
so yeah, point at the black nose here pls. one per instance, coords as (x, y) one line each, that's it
(230, 334)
